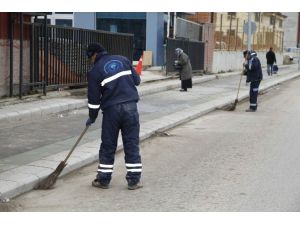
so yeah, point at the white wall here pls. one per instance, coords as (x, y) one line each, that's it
(224, 61)
(290, 29)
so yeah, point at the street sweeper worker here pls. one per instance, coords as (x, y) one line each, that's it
(254, 76)
(112, 88)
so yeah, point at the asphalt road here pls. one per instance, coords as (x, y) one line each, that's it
(224, 161)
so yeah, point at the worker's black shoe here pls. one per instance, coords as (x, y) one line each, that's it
(182, 90)
(250, 110)
(134, 186)
(96, 183)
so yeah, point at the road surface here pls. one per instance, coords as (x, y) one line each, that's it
(224, 161)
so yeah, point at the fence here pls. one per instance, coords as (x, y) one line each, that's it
(231, 36)
(188, 29)
(57, 55)
(194, 49)
(67, 62)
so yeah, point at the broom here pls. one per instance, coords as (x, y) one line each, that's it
(233, 106)
(48, 182)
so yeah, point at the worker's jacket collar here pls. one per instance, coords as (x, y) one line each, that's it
(99, 55)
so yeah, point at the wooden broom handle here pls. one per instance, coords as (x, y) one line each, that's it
(78, 140)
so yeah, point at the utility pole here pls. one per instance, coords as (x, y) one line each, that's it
(249, 32)
(168, 25)
(174, 25)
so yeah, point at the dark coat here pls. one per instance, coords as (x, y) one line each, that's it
(271, 58)
(186, 71)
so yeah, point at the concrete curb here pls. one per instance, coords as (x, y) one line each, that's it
(22, 179)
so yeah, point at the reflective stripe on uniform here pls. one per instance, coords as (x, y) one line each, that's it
(91, 106)
(134, 167)
(133, 164)
(250, 63)
(116, 76)
(253, 104)
(105, 170)
(255, 89)
(134, 170)
(105, 166)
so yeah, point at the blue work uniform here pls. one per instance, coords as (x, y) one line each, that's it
(112, 88)
(254, 76)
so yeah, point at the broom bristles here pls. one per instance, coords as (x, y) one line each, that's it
(49, 182)
(232, 106)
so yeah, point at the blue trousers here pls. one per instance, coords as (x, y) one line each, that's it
(270, 69)
(124, 117)
(254, 85)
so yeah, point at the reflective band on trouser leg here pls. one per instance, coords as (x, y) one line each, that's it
(134, 167)
(255, 89)
(104, 168)
(91, 106)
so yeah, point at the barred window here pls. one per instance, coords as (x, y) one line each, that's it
(257, 16)
(231, 14)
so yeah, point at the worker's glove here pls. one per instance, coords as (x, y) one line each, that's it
(89, 122)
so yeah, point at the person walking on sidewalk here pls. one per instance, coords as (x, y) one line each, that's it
(185, 71)
(271, 59)
(254, 76)
(112, 88)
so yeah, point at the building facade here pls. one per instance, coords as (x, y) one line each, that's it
(230, 30)
(291, 28)
(148, 29)
(208, 22)
(65, 19)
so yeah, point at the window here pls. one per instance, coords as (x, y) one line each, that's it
(212, 16)
(272, 20)
(231, 15)
(41, 20)
(231, 32)
(113, 28)
(280, 23)
(257, 16)
(132, 26)
(38, 20)
(63, 22)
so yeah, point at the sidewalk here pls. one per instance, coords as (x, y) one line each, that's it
(152, 82)
(175, 109)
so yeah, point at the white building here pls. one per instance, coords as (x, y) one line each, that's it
(291, 29)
